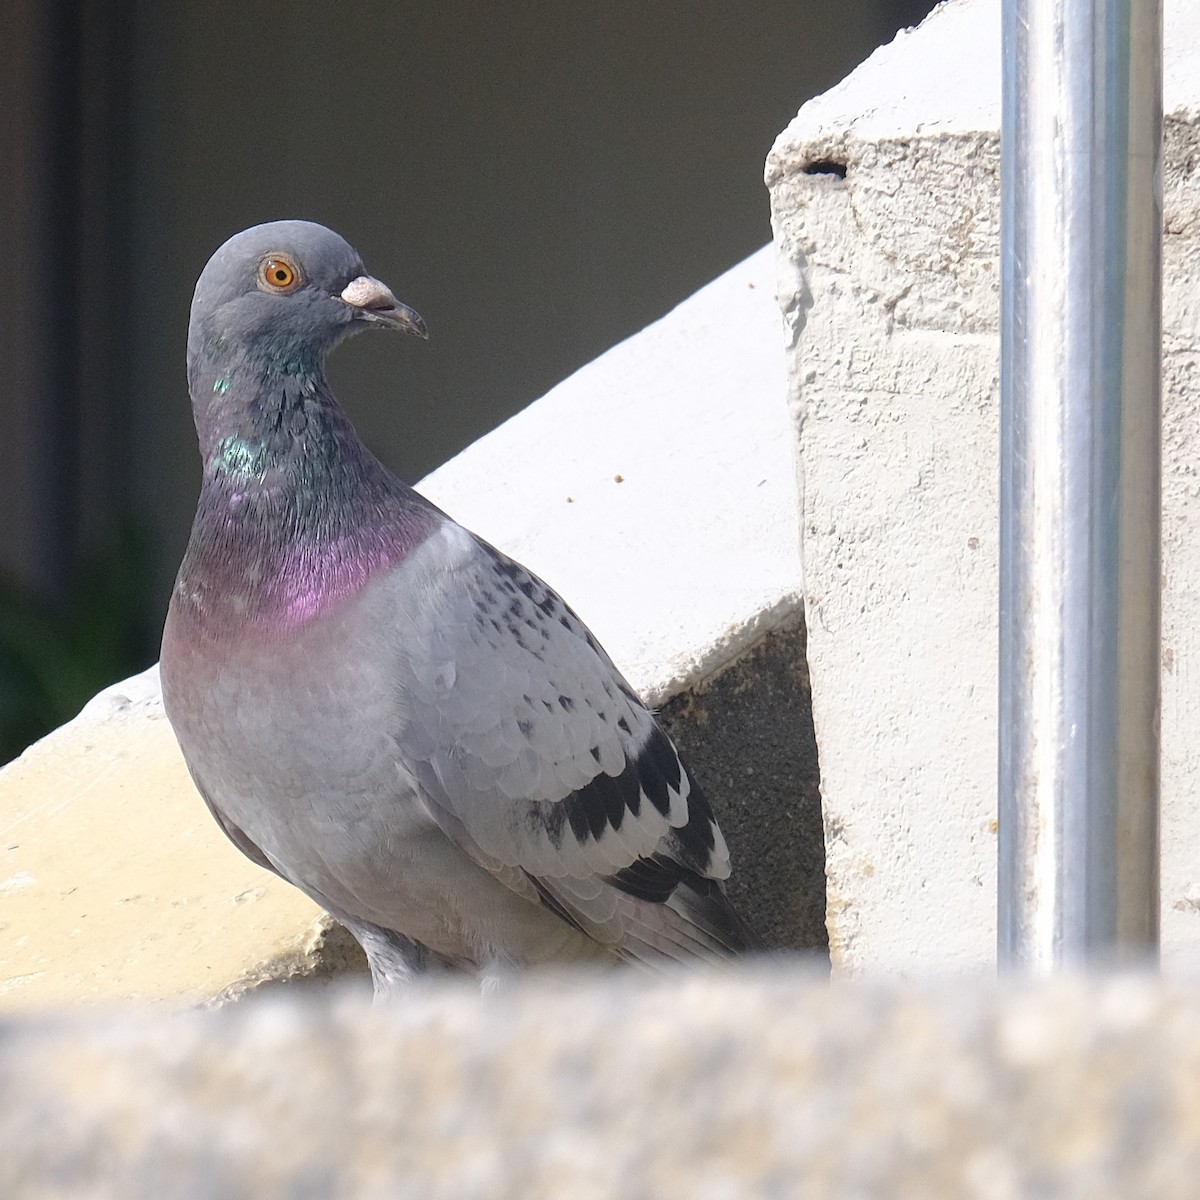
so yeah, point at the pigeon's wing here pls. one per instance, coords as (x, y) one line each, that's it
(538, 758)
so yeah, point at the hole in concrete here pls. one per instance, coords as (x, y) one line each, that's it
(826, 166)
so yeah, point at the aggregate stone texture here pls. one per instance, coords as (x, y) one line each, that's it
(759, 1082)
(747, 736)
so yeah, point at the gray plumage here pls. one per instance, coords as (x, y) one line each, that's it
(381, 707)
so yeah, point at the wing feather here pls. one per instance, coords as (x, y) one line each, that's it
(536, 756)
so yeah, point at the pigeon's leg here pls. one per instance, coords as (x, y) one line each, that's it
(395, 960)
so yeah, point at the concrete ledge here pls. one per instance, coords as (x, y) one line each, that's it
(755, 1083)
(116, 883)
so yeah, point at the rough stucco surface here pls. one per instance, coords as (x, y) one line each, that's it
(885, 205)
(762, 1082)
(655, 489)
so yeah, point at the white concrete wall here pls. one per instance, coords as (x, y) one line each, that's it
(890, 283)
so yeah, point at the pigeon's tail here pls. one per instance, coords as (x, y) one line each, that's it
(695, 922)
(736, 931)
(713, 917)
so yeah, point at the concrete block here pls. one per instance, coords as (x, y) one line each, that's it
(885, 205)
(753, 1082)
(655, 490)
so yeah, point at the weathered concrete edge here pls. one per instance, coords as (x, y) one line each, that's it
(957, 88)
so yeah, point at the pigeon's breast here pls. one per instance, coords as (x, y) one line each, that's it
(294, 741)
(283, 696)
(301, 744)
(273, 678)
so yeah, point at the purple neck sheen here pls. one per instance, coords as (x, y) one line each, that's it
(295, 515)
(314, 578)
(253, 570)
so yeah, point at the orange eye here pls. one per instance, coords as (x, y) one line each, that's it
(279, 274)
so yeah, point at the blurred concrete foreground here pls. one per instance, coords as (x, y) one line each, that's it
(760, 1083)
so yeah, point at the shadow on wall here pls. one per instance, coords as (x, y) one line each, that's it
(748, 739)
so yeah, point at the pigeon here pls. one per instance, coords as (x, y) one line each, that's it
(384, 709)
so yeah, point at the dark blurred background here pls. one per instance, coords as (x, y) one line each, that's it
(538, 179)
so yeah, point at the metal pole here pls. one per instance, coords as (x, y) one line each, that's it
(1081, 216)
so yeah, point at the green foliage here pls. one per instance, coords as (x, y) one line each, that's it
(53, 662)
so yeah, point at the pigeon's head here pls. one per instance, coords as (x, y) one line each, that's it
(286, 293)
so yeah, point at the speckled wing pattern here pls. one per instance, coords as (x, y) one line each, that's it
(536, 757)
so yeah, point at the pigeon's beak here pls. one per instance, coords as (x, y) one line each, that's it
(375, 302)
